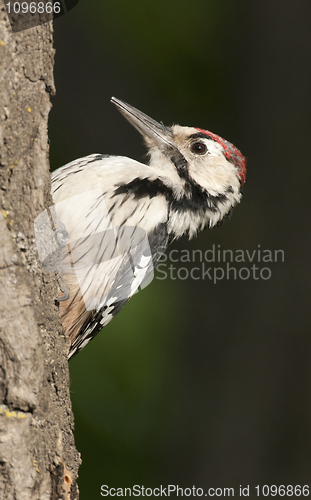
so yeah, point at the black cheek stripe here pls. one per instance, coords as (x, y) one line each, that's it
(195, 199)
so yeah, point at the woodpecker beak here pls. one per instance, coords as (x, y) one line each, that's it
(151, 130)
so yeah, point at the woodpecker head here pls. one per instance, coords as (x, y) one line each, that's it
(207, 172)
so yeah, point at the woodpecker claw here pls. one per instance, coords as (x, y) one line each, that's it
(64, 288)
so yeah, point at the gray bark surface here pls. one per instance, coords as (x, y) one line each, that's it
(38, 458)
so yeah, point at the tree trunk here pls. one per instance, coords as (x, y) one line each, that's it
(38, 458)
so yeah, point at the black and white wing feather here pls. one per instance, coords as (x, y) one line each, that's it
(135, 271)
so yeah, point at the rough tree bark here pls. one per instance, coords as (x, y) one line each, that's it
(38, 458)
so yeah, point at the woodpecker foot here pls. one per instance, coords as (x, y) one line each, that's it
(64, 288)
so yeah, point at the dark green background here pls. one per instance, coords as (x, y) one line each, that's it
(195, 383)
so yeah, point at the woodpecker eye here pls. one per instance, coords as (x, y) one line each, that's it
(198, 148)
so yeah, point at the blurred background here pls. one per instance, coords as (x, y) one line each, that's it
(196, 383)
